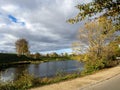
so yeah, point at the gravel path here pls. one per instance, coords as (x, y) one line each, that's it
(110, 84)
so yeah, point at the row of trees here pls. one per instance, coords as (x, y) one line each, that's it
(48, 55)
(22, 48)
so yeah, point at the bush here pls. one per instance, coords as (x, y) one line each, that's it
(24, 81)
(92, 63)
(9, 86)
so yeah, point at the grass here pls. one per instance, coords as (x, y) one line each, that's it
(26, 81)
(22, 83)
(45, 81)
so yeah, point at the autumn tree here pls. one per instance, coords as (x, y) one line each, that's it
(107, 8)
(22, 47)
(115, 46)
(78, 48)
(95, 37)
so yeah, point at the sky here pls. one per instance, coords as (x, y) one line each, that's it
(41, 22)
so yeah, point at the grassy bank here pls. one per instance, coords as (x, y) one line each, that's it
(26, 81)
(8, 59)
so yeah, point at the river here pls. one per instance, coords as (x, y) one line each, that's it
(46, 69)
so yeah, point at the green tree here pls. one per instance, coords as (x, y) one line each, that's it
(22, 47)
(108, 8)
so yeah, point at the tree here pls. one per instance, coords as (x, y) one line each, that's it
(78, 48)
(37, 55)
(115, 45)
(22, 47)
(108, 8)
(96, 36)
(54, 54)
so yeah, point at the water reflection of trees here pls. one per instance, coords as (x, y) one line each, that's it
(36, 69)
(20, 70)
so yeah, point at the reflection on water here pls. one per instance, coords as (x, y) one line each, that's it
(7, 74)
(46, 69)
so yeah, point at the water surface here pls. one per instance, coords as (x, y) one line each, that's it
(46, 69)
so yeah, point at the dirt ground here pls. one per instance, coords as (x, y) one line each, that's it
(82, 82)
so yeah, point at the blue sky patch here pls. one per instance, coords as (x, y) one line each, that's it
(67, 50)
(12, 18)
(15, 20)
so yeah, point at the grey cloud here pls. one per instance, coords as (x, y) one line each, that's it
(49, 30)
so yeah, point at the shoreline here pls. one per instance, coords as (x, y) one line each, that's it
(83, 82)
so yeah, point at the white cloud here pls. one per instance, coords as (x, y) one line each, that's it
(9, 8)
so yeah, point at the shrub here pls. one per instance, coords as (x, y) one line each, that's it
(24, 81)
(7, 86)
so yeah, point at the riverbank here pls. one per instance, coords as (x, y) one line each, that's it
(10, 60)
(83, 82)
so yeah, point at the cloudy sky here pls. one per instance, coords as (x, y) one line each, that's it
(41, 22)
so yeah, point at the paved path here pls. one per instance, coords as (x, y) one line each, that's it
(97, 81)
(110, 84)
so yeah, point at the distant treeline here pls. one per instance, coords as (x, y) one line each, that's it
(10, 58)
